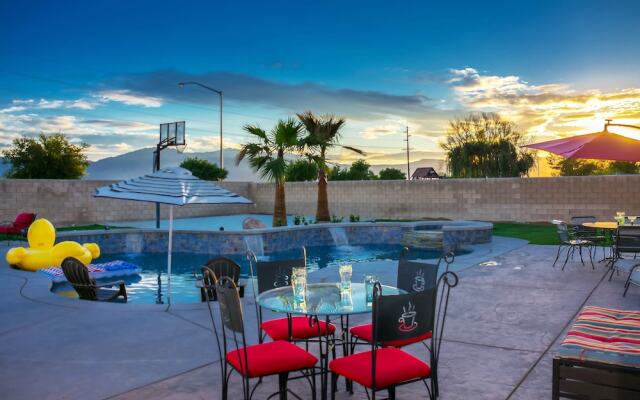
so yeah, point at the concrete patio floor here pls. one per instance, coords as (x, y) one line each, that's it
(503, 325)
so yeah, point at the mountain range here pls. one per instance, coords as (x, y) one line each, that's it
(140, 162)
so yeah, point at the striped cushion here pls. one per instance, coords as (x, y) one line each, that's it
(604, 335)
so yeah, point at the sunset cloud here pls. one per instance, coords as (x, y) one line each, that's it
(545, 111)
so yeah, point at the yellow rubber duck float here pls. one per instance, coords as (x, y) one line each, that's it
(42, 253)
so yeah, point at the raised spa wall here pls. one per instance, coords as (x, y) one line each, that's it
(455, 235)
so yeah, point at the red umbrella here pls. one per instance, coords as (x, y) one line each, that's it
(597, 146)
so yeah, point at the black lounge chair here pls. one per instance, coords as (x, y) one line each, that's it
(87, 288)
(219, 267)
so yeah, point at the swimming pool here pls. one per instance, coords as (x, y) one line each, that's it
(213, 223)
(148, 287)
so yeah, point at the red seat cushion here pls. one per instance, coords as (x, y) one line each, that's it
(271, 358)
(393, 366)
(278, 329)
(365, 332)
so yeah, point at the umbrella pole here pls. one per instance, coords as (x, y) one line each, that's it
(169, 255)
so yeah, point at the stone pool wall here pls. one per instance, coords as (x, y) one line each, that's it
(456, 234)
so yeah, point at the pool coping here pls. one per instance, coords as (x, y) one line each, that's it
(447, 225)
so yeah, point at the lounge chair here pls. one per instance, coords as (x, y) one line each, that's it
(600, 356)
(87, 288)
(19, 226)
(219, 267)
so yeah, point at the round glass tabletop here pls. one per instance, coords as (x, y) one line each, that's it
(322, 299)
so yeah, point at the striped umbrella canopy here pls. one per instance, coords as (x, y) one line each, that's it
(174, 186)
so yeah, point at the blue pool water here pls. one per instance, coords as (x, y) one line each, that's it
(228, 222)
(148, 287)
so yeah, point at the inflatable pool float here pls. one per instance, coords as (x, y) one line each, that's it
(42, 253)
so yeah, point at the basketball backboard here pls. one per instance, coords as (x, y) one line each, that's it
(172, 134)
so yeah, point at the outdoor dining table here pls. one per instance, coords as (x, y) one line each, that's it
(324, 300)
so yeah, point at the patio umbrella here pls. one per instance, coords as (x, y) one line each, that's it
(598, 146)
(174, 186)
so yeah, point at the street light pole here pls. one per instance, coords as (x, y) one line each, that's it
(219, 92)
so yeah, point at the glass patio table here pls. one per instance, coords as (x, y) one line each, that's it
(326, 300)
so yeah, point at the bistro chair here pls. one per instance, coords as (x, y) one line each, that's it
(219, 266)
(412, 277)
(279, 357)
(625, 250)
(277, 273)
(87, 287)
(395, 318)
(591, 234)
(570, 243)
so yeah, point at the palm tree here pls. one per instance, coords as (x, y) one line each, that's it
(323, 133)
(266, 156)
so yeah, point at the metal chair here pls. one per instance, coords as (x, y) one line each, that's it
(412, 277)
(87, 288)
(585, 233)
(396, 318)
(570, 243)
(277, 273)
(219, 266)
(627, 243)
(279, 357)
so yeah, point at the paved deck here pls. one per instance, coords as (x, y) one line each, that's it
(503, 325)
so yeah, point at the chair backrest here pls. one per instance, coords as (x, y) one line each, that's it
(276, 273)
(78, 276)
(628, 239)
(222, 266)
(576, 224)
(563, 231)
(415, 276)
(403, 316)
(24, 220)
(232, 319)
(410, 315)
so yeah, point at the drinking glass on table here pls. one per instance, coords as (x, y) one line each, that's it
(345, 271)
(299, 284)
(369, 282)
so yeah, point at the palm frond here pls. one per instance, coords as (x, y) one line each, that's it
(355, 150)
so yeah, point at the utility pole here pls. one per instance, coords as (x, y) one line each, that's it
(408, 169)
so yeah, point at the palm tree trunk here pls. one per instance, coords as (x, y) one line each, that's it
(322, 210)
(279, 207)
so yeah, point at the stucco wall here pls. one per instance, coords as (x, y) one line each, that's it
(511, 199)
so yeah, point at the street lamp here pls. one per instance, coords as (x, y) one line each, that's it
(219, 92)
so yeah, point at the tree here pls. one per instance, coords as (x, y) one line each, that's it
(46, 157)
(266, 156)
(485, 145)
(204, 169)
(323, 133)
(581, 167)
(358, 171)
(392, 174)
(301, 170)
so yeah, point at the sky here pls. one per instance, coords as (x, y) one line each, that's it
(106, 72)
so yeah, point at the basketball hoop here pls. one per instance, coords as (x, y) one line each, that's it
(172, 134)
(180, 148)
